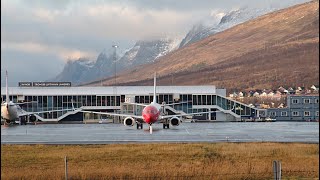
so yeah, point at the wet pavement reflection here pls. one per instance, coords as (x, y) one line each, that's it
(187, 132)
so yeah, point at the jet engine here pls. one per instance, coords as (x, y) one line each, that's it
(8, 121)
(32, 118)
(175, 121)
(129, 121)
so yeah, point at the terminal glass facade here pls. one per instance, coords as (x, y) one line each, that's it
(188, 103)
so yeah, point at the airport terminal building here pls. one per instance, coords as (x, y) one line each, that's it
(115, 99)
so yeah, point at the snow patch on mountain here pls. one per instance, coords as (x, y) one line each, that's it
(169, 45)
(226, 20)
(84, 70)
(84, 62)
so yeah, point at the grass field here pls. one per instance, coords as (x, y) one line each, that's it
(160, 161)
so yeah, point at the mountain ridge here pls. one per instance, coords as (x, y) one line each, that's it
(287, 36)
(144, 52)
(77, 71)
(228, 20)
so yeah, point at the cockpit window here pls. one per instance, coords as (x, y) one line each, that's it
(150, 111)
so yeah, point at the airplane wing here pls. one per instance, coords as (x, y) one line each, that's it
(189, 114)
(24, 113)
(139, 104)
(114, 114)
(160, 104)
(174, 103)
(25, 102)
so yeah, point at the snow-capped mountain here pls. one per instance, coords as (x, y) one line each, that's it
(75, 71)
(104, 66)
(197, 32)
(230, 19)
(143, 52)
(147, 51)
(83, 70)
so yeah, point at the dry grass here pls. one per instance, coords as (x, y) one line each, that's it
(160, 161)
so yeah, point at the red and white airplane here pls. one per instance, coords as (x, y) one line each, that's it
(150, 114)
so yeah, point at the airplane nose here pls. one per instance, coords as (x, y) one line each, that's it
(147, 118)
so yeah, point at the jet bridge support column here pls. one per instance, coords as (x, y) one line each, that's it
(209, 115)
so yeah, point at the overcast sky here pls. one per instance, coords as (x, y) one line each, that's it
(39, 36)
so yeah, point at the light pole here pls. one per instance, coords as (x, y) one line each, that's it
(115, 63)
(100, 76)
(115, 73)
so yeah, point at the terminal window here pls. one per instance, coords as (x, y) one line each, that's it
(306, 101)
(295, 113)
(284, 113)
(307, 113)
(295, 101)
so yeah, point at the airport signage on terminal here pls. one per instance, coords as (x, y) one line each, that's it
(25, 84)
(44, 84)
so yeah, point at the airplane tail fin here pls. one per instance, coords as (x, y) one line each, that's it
(154, 88)
(7, 91)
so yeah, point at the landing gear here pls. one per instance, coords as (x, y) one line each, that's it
(165, 125)
(139, 125)
(22, 121)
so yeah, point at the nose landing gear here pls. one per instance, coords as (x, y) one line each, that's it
(150, 128)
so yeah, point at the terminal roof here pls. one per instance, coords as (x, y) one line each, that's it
(107, 90)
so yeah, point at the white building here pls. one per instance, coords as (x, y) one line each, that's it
(111, 99)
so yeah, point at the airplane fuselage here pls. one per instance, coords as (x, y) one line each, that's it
(151, 113)
(9, 111)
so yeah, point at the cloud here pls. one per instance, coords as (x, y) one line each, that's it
(36, 48)
(57, 30)
(89, 24)
(130, 22)
(102, 20)
(24, 66)
(45, 15)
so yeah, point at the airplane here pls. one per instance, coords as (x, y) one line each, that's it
(10, 111)
(151, 113)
